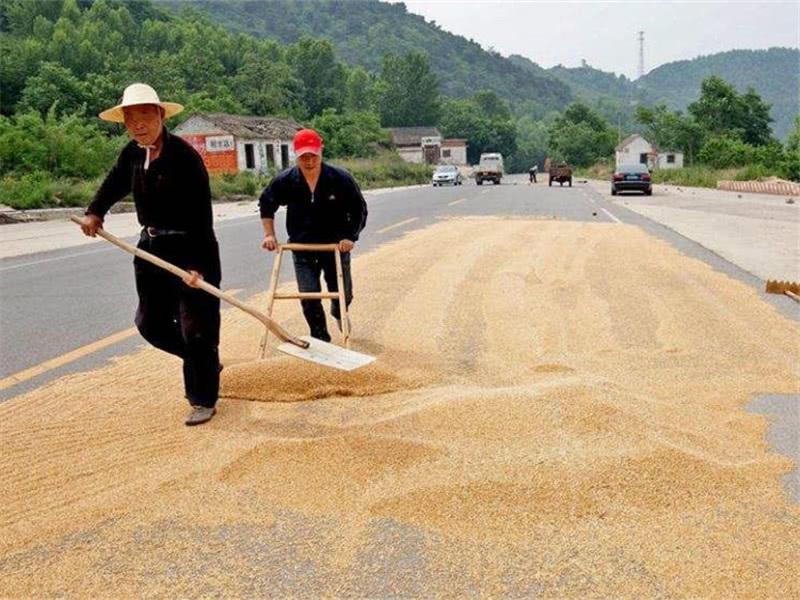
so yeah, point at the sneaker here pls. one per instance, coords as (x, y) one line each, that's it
(349, 325)
(200, 414)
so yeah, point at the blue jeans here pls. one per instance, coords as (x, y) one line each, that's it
(308, 266)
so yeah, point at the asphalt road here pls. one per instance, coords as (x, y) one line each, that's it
(59, 302)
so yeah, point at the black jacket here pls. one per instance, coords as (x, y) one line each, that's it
(173, 194)
(334, 212)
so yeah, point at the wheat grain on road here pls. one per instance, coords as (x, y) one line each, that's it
(556, 410)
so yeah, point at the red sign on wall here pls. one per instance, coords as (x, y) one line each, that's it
(218, 152)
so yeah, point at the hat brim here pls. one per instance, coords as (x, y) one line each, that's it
(116, 114)
(309, 150)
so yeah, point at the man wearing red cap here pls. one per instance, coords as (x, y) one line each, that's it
(324, 205)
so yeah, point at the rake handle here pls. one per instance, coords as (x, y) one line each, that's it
(203, 285)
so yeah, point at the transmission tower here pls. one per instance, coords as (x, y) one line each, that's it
(641, 53)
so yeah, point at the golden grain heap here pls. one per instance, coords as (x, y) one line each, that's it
(557, 409)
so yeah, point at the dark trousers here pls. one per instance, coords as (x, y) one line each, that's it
(181, 320)
(308, 266)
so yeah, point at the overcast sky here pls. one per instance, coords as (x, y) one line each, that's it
(606, 33)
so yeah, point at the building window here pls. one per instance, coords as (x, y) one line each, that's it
(446, 153)
(270, 149)
(284, 156)
(671, 159)
(643, 158)
(249, 158)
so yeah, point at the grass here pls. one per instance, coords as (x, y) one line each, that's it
(694, 176)
(41, 190)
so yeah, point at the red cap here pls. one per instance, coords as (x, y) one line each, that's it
(307, 140)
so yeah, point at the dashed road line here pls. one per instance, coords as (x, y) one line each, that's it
(396, 225)
(612, 217)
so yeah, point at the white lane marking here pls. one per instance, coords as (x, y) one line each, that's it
(611, 216)
(227, 223)
(454, 202)
(53, 258)
(400, 224)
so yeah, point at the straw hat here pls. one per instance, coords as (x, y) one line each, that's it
(139, 93)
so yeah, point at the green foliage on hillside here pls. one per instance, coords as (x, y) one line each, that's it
(581, 136)
(364, 31)
(774, 74)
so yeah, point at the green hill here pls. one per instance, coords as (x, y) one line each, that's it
(363, 31)
(773, 73)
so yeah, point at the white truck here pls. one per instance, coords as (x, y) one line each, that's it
(490, 168)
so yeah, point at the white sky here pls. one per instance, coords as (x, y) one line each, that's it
(606, 33)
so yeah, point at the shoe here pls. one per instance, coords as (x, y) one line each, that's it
(349, 325)
(200, 415)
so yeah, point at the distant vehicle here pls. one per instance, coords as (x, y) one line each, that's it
(447, 174)
(490, 168)
(562, 173)
(632, 178)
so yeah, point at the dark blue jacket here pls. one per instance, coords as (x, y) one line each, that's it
(335, 211)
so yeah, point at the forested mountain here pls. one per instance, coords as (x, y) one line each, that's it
(363, 31)
(773, 73)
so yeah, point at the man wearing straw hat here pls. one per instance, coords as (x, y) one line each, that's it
(170, 188)
(324, 205)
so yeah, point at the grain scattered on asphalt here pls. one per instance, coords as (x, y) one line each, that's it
(556, 410)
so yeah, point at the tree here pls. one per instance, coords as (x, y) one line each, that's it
(355, 134)
(492, 106)
(361, 91)
(581, 136)
(266, 87)
(314, 64)
(721, 111)
(409, 91)
(465, 119)
(532, 144)
(671, 130)
(52, 85)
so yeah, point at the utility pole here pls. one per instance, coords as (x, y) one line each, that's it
(641, 54)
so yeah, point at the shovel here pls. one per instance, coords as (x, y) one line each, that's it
(304, 347)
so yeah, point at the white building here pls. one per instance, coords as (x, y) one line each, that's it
(235, 143)
(426, 145)
(634, 150)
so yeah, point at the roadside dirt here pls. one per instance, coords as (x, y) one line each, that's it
(557, 409)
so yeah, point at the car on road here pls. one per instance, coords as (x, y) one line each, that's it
(632, 178)
(447, 174)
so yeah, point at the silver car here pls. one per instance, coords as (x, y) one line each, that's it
(447, 174)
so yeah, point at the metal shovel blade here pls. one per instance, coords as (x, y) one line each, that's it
(327, 354)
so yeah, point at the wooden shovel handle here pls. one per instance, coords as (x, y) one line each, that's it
(279, 331)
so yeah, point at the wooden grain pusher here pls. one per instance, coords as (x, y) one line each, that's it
(305, 347)
(787, 288)
(273, 294)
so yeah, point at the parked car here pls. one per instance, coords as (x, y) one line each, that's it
(562, 174)
(634, 178)
(447, 174)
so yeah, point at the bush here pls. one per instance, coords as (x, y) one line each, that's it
(61, 147)
(387, 170)
(697, 176)
(32, 190)
(723, 152)
(40, 190)
(237, 184)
